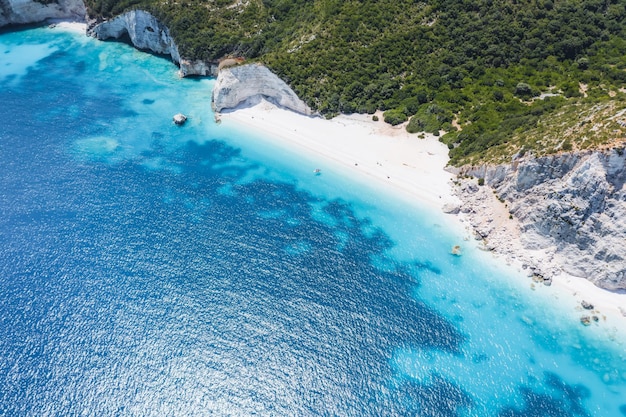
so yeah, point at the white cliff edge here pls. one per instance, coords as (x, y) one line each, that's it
(147, 33)
(143, 29)
(244, 84)
(235, 85)
(568, 210)
(15, 12)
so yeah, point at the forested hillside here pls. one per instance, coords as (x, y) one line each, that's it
(490, 73)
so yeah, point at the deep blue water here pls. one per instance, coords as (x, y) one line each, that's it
(152, 270)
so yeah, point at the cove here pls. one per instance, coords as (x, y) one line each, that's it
(149, 269)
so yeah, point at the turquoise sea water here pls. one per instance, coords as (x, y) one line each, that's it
(153, 270)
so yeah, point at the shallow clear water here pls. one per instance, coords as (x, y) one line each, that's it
(152, 270)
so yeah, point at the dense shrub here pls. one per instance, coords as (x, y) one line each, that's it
(394, 117)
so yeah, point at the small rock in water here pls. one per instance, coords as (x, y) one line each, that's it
(180, 119)
(585, 320)
(586, 305)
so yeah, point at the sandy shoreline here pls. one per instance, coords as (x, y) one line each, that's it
(374, 149)
(68, 25)
(415, 167)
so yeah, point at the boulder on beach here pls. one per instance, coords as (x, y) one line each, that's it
(180, 119)
(451, 208)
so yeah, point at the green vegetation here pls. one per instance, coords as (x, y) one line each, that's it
(491, 74)
(581, 124)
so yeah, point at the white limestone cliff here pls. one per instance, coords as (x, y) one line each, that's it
(149, 34)
(234, 86)
(246, 83)
(14, 12)
(143, 29)
(197, 67)
(569, 207)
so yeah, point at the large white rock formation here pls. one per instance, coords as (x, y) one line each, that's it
(197, 67)
(147, 33)
(143, 29)
(246, 83)
(570, 205)
(13, 12)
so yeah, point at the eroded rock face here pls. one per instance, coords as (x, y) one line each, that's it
(197, 67)
(147, 33)
(237, 85)
(13, 12)
(143, 29)
(574, 204)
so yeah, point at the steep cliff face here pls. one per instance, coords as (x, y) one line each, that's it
(197, 67)
(245, 83)
(143, 29)
(147, 33)
(572, 204)
(14, 12)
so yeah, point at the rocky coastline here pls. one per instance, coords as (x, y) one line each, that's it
(235, 85)
(560, 213)
(147, 33)
(20, 12)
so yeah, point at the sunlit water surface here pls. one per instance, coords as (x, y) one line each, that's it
(154, 270)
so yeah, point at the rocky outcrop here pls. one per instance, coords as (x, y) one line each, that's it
(570, 205)
(147, 33)
(14, 12)
(144, 31)
(248, 83)
(197, 67)
(234, 86)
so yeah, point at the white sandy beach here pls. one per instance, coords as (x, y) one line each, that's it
(415, 167)
(374, 149)
(78, 27)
